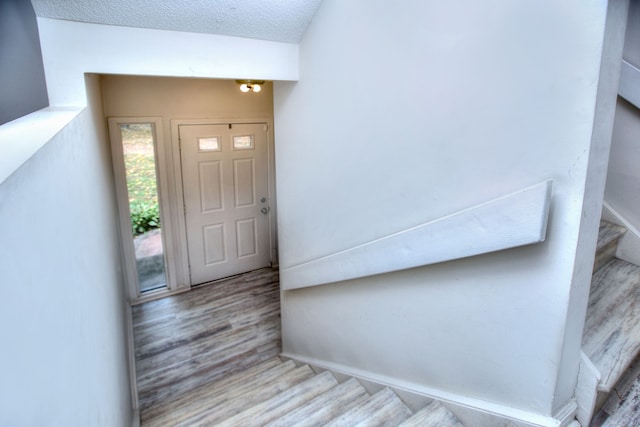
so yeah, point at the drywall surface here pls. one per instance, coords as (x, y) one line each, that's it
(171, 98)
(71, 49)
(63, 361)
(632, 41)
(22, 137)
(592, 201)
(405, 114)
(22, 83)
(630, 73)
(623, 178)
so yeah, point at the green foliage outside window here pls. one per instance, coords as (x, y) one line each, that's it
(141, 177)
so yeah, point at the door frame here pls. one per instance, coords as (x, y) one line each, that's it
(183, 272)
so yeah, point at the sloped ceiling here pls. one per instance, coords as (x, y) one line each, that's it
(274, 20)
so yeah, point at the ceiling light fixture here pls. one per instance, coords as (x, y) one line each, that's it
(250, 85)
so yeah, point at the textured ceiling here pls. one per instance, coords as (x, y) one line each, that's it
(275, 20)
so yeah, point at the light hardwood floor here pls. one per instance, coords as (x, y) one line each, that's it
(187, 341)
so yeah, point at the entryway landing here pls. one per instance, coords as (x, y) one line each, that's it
(186, 341)
(211, 357)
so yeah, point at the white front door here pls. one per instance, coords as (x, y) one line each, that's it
(225, 187)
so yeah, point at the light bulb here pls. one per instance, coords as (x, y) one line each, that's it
(244, 88)
(257, 88)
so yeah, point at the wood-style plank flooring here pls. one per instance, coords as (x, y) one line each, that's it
(186, 341)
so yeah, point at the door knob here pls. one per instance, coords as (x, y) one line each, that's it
(265, 210)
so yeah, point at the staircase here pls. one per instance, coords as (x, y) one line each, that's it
(611, 338)
(270, 391)
(281, 393)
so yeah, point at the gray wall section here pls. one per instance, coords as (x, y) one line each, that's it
(22, 85)
(632, 40)
(623, 177)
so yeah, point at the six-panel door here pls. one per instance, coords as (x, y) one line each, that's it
(225, 186)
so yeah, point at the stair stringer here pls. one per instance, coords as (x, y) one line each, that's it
(586, 389)
(629, 244)
(470, 411)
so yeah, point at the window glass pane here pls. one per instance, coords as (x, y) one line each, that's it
(142, 185)
(243, 142)
(211, 143)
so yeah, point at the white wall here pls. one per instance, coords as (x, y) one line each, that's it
(406, 113)
(63, 359)
(623, 179)
(71, 49)
(632, 43)
(64, 342)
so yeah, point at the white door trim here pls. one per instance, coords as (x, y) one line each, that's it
(180, 231)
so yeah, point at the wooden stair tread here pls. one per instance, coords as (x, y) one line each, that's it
(611, 335)
(627, 413)
(284, 402)
(608, 232)
(213, 394)
(382, 409)
(608, 236)
(188, 404)
(245, 396)
(325, 407)
(433, 415)
(234, 352)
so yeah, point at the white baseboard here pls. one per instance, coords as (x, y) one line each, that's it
(470, 411)
(131, 358)
(629, 245)
(135, 418)
(587, 389)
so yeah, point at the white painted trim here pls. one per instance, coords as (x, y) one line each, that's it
(122, 200)
(629, 244)
(177, 203)
(516, 219)
(158, 294)
(23, 137)
(566, 415)
(586, 389)
(131, 356)
(492, 412)
(135, 418)
(169, 237)
(181, 231)
(629, 87)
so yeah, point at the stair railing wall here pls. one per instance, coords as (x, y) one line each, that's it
(516, 219)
